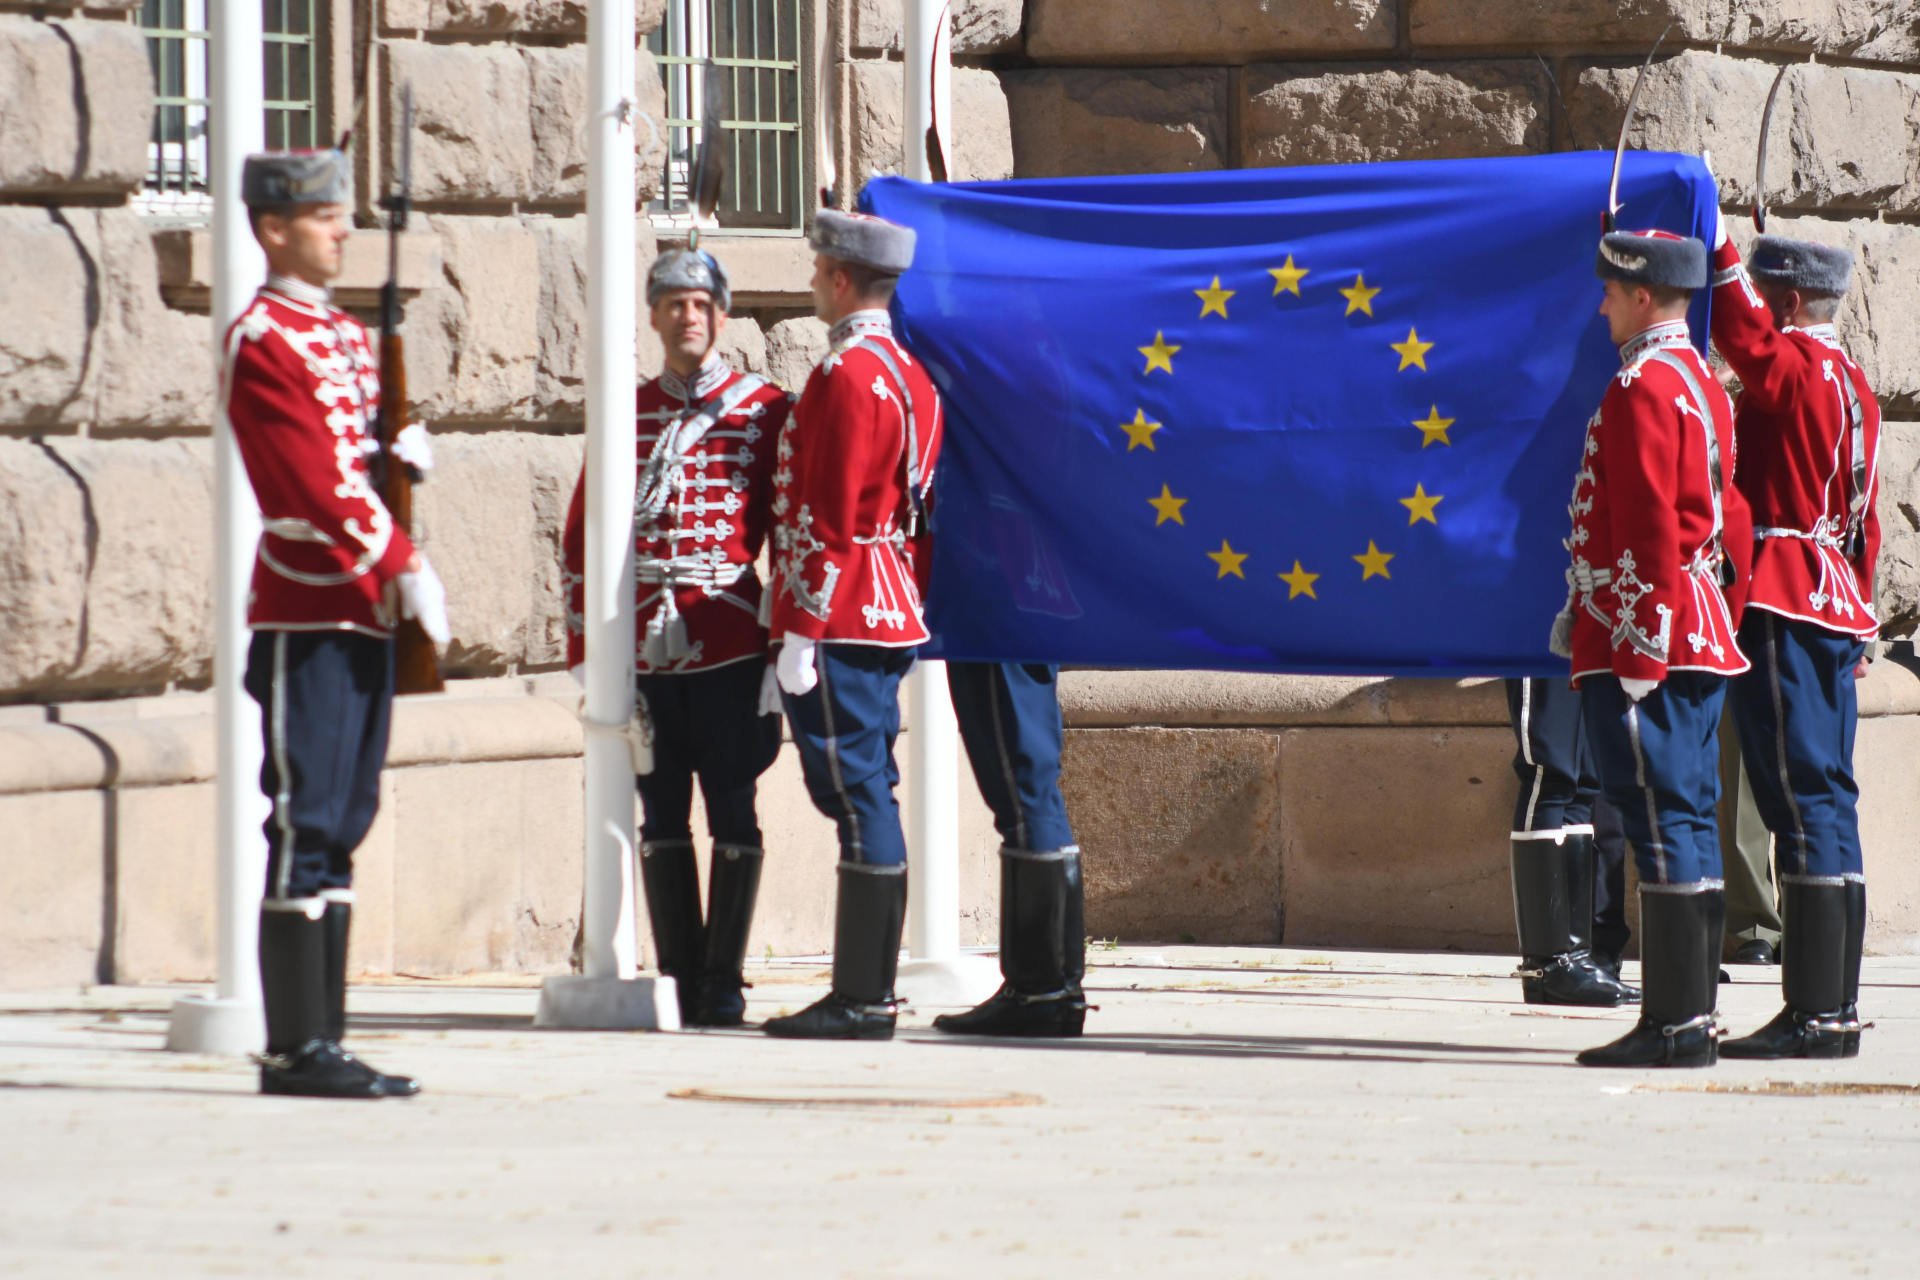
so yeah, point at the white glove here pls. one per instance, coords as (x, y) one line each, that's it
(797, 675)
(413, 447)
(770, 692)
(1638, 689)
(424, 599)
(1719, 231)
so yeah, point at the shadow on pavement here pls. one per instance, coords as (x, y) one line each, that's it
(1296, 1048)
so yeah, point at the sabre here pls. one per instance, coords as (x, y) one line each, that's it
(1760, 164)
(823, 131)
(936, 152)
(1620, 149)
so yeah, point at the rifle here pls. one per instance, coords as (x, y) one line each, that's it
(416, 667)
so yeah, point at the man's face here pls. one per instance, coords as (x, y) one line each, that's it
(688, 324)
(307, 244)
(1627, 307)
(1781, 301)
(828, 285)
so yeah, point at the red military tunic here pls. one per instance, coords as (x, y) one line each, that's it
(856, 463)
(1649, 509)
(1809, 432)
(700, 520)
(301, 389)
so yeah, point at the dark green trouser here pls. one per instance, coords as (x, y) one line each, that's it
(1746, 851)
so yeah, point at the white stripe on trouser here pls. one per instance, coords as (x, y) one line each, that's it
(1556, 834)
(1526, 747)
(1640, 777)
(1780, 737)
(995, 674)
(857, 846)
(1692, 886)
(283, 796)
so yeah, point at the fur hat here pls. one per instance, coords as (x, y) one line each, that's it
(1652, 258)
(863, 239)
(689, 269)
(276, 178)
(1800, 264)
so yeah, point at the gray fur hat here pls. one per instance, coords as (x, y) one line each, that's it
(1800, 264)
(1652, 257)
(863, 239)
(689, 269)
(274, 179)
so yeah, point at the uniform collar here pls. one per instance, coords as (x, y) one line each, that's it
(872, 323)
(713, 374)
(1668, 333)
(1824, 332)
(300, 291)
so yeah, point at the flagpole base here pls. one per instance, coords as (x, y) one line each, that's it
(576, 1003)
(206, 1024)
(957, 983)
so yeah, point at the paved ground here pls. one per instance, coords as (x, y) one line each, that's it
(1240, 1112)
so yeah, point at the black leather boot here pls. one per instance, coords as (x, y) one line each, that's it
(1851, 1026)
(1680, 963)
(1553, 911)
(733, 883)
(1043, 950)
(671, 878)
(866, 954)
(301, 1060)
(1812, 978)
(338, 927)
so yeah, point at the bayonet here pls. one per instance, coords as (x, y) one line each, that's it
(1620, 149)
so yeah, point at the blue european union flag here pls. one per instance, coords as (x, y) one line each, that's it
(1304, 420)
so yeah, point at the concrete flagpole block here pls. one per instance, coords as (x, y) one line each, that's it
(577, 1002)
(960, 982)
(209, 1024)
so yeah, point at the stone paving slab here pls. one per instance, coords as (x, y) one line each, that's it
(1237, 1112)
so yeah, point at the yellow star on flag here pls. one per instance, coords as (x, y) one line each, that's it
(1299, 582)
(1214, 299)
(1168, 506)
(1228, 559)
(1374, 562)
(1359, 298)
(1435, 428)
(1160, 354)
(1140, 431)
(1287, 279)
(1412, 351)
(1420, 506)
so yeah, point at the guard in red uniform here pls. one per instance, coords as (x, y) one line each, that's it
(301, 390)
(1650, 632)
(704, 694)
(1809, 433)
(854, 468)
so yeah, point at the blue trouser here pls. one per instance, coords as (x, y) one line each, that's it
(1009, 716)
(844, 728)
(1659, 765)
(326, 701)
(1797, 709)
(706, 724)
(1560, 789)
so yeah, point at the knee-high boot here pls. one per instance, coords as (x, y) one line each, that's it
(733, 885)
(1553, 913)
(870, 914)
(1850, 992)
(337, 929)
(302, 1058)
(1043, 950)
(1680, 967)
(1813, 978)
(671, 878)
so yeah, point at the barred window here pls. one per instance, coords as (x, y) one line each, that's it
(754, 47)
(177, 158)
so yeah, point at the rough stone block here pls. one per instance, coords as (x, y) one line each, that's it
(794, 347)
(557, 92)
(1365, 112)
(473, 342)
(76, 99)
(165, 891)
(981, 138)
(1841, 138)
(51, 886)
(491, 519)
(104, 561)
(1074, 123)
(1195, 851)
(1220, 32)
(501, 17)
(1396, 837)
(1897, 577)
(1870, 30)
(473, 136)
(84, 335)
(979, 26)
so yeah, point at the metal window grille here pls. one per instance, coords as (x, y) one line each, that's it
(754, 46)
(176, 31)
